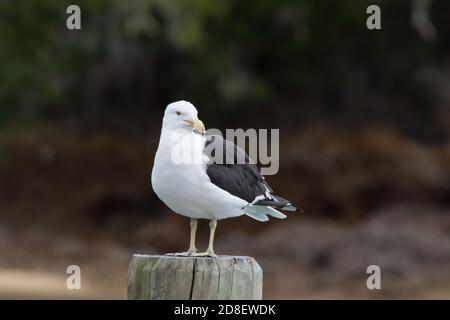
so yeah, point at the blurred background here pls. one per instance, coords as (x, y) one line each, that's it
(364, 139)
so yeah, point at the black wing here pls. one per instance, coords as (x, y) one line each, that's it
(232, 170)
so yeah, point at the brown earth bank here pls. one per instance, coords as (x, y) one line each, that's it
(97, 176)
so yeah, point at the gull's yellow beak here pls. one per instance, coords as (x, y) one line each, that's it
(197, 125)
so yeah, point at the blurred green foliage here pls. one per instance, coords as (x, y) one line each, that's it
(314, 58)
(37, 56)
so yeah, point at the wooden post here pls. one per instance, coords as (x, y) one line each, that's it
(152, 277)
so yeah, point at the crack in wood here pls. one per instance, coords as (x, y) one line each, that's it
(194, 265)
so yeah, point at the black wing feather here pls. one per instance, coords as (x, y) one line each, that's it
(241, 180)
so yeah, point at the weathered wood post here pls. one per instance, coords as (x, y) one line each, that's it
(152, 277)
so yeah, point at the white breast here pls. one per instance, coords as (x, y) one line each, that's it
(185, 187)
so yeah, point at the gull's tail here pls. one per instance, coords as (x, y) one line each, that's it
(261, 213)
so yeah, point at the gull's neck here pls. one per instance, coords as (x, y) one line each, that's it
(172, 142)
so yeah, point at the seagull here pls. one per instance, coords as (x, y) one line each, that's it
(204, 187)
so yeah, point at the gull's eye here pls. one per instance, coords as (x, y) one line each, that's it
(178, 113)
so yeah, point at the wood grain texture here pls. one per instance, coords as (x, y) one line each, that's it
(153, 277)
